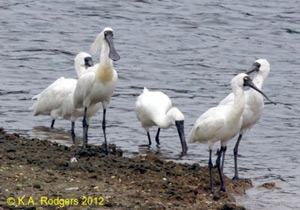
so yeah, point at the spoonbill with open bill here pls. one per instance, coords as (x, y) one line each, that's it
(222, 123)
(154, 108)
(98, 83)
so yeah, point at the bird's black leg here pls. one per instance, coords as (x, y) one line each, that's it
(103, 128)
(223, 149)
(52, 123)
(149, 138)
(210, 166)
(235, 153)
(218, 162)
(84, 126)
(86, 131)
(73, 132)
(157, 136)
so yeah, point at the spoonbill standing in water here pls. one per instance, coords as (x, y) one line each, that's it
(154, 108)
(50, 100)
(70, 113)
(222, 123)
(98, 83)
(254, 104)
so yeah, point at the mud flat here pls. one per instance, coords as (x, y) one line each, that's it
(39, 174)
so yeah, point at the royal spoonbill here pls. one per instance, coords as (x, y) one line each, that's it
(154, 108)
(98, 83)
(222, 123)
(68, 112)
(50, 100)
(82, 61)
(254, 104)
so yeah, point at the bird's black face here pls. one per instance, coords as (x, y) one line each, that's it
(108, 36)
(254, 67)
(180, 129)
(248, 82)
(88, 62)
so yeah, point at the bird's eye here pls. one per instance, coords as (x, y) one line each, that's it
(108, 32)
(258, 65)
(246, 78)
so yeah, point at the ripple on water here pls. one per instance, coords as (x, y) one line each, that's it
(189, 50)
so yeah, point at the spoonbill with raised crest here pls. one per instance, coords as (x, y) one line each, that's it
(98, 83)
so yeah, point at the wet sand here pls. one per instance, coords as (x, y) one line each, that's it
(39, 174)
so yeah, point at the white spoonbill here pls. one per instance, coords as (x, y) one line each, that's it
(222, 123)
(68, 112)
(254, 104)
(82, 61)
(50, 100)
(154, 108)
(98, 83)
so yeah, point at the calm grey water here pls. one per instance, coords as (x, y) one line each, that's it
(188, 49)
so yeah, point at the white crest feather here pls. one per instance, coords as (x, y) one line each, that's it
(97, 43)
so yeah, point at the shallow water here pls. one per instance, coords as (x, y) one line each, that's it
(190, 50)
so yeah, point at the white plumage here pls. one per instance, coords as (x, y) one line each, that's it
(221, 123)
(98, 83)
(254, 103)
(50, 100)
(154, 108)
(82, 61)
(69, 112)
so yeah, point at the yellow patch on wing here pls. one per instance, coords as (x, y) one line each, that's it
(105, 74)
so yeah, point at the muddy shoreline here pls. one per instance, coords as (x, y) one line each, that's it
(39, 174)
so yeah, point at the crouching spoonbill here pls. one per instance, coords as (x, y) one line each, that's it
(154, 108)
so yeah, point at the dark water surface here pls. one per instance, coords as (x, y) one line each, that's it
(188, 49)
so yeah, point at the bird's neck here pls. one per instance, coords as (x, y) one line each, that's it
(254, 97)
(258, 81)
(105, 71)
(104, 58)
(79, 69)
(164, 121)
(239, 103)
